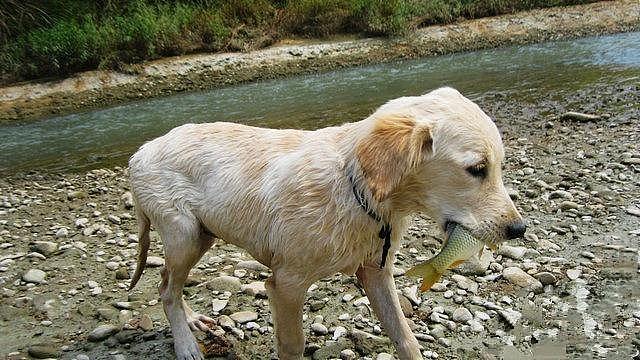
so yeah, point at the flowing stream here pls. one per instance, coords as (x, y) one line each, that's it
(107, 137)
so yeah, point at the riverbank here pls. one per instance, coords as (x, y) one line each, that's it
(186, 73)
(68, 245)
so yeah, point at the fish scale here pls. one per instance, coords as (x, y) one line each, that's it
(459, 246)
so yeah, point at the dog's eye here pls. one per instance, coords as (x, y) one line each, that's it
(478, 170)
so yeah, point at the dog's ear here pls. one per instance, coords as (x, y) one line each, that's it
(396, 146)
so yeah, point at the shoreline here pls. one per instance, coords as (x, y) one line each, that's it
(93, 89)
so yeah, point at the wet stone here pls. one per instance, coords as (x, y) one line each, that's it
(102, 332)
(35, 276)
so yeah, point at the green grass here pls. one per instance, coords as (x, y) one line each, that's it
(55, 38)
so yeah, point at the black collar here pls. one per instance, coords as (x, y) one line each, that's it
(385, 230)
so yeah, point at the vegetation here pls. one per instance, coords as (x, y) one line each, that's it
(55, 38)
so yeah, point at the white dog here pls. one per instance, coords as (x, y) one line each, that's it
(309, 204)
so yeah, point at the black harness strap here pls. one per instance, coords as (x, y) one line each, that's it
(385, 230)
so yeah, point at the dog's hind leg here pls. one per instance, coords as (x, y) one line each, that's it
(286, 298)
(381, 291)
(183, 247)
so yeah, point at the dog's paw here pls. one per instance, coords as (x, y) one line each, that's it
(187, 350)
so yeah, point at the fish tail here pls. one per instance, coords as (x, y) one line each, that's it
(428, 273)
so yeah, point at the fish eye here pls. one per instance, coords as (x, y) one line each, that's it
(478, 170)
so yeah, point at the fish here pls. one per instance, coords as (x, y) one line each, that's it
(459, 246)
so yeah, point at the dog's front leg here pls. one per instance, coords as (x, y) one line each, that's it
(286, 298)
(381, 291)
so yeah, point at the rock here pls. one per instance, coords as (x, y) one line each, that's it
(574, 273)
(330, 350)
(255, 288)
(81, 223)
(520, 278)
(339, 332)
(62, 233)
(44, 351)
(122, 274)
(112, 265)
(568, 205)
(462, 315)
(438, 287)
(510, 316)
(251, 265)
(155, 261)
(560, 194)
(405, 305)
(384, 356)
(546, 278)
(347, 354)
(465, 283)
(217, 305)
(513, 252)
(35, 276)
(102, 332)
(45, 248)
(114, 219)
(366, 343)
(411, 292)
(225, 283)
(242, 317)
(226, 322)
(146, 323)
(361, 301)
(475, 265)
(319, 329)
(579, 117)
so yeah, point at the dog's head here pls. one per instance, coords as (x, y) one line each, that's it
(440, 154)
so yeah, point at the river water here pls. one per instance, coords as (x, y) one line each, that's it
(109, 136)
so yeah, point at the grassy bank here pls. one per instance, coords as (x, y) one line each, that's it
(43, 39)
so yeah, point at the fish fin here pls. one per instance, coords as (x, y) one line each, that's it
(456, 264)
(429, 275)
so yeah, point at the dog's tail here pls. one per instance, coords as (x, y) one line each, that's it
(143, 245)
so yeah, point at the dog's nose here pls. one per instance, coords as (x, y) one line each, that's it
(516, 229)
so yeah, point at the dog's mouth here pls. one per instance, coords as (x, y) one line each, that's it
(489, 240)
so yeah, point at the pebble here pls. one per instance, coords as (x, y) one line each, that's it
(338, 332)
(319, 329)
(155, 261)
(411, 293)
(45, 248)
(573, 274)
(347, 354)
(560, 194)
(102, 332)
(255, 288)
(62, 233)
(511, 316)
(568, 205)
(251, 265)
(465, 283)
(520, 278)
(225, 283)
(217, 304)
(438, 287)
(35, 276)
(43, 351)
(242, 317)
(546, 278)
(226, 322)
(513, 252)
(384, 356)
(462, 315)
(146, 323)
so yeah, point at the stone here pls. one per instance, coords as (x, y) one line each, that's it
(225, 283)
(35, 276)
(546, 278)
(155, 261)
(568, 205)
(217, 304)
(255, 288)
(411, 292)
(462, 315)
(512, 252)
(226, 322)
(475, 265)
(43, 351)
(242, 317)
(127, 200)
(339, 332)
(366, 343)
(122, 274)
(62, 233)
(348, 354)
(251, 265)
(560, 194)
(384, 356)
(574, 273)
(45, 248)
(146, 323)
(319, 329)
(114, 219)
(102, 332)
(520, 278)
(510, 316)
(405, 305)
(465, 283)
